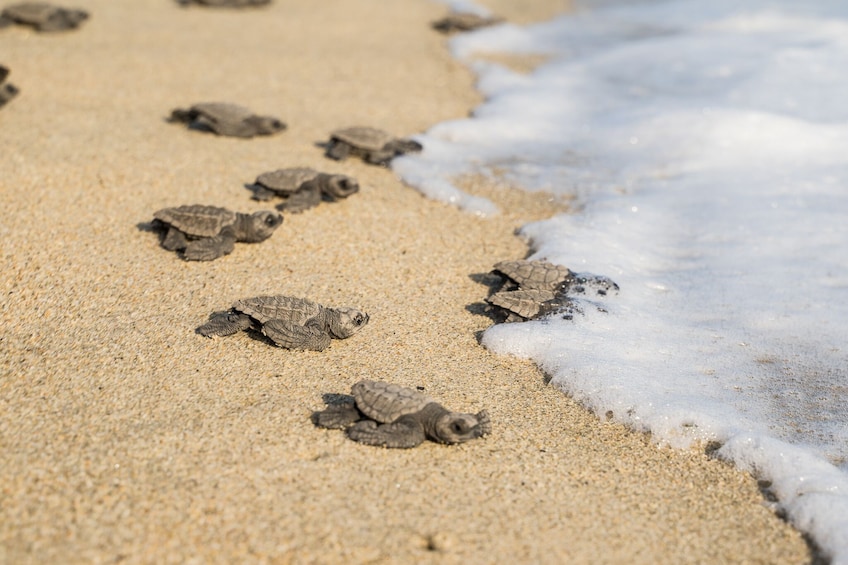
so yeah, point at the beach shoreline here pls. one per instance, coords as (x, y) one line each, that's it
(126, 436)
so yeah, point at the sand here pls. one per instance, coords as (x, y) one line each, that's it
(124, 436)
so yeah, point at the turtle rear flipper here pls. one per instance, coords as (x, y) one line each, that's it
(404, 433)
(295, 336)
(210, 248)
(307, 197)
(401, 146)
(224, 323)
(337, 417)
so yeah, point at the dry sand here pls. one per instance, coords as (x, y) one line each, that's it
(124, 436)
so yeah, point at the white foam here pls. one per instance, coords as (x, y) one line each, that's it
(706, 143)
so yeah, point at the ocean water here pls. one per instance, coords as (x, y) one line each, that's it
(706, 144)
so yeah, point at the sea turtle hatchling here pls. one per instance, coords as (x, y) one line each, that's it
(225, 3)
(205, 233)
(389, 415)
(7, 90)
(226, 119)
(373, 145)
(292, 323)
(464, 21)
(42, 16)
(302, 187)
(534, 289)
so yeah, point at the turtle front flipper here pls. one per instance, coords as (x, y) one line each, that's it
(224, 323)
(308, 196)
(337, 416)
(295, 336)
(210, 248)
(403, 433)
(174, 239)
(338, 150)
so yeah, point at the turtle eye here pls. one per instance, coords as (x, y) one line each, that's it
(271, 220)
(358, 320)
(457, 428)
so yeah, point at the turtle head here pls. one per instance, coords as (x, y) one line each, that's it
(340, 186)
(266, 125)
(344, 322)
(455, 427)
(260, 226)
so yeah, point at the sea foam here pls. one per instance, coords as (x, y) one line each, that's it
(706, 146)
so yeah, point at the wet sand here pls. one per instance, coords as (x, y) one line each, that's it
(124, 436)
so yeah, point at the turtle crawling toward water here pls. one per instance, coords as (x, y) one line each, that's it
(225, 3)
(302, 187)
(7, 90)
(464, 21)
(389, 415)
(372, 145)
(292, 323)
(226, 119)
(534, 289)
(205, 233)
(42, 16)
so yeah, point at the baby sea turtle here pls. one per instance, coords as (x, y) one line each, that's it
(293, 323)
(42, 16)
(539, 275)
(464, 21)
(389, 415)
(226, 119)
(302, 187)
(534, 289)
(205, 233)
(7, 90)
(225, 3)
(372, 145)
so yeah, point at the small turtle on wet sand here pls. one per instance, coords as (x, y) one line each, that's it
(7, 90)
(464, 21)
(292, 323)
(534, 289)
(302, 187)
(372, 145)
(42, 16)
(205, 233)
(225, 3)
(389, 415)
(226, 119)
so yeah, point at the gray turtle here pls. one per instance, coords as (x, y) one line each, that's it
(7, 90)
(534, 289)
(464, 21)
(42, 16)
(370, 144)
(540, 275)
(292, 323)
(302, 187)
(205, 233)
(226, 119)
(225, 3)
(521, 305)
(389, 415)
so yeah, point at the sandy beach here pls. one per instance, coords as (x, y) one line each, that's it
(124, 436)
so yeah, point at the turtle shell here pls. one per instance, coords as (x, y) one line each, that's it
(286, 180)
(222, 111)
(197, 220)
(534, 275)
(384, 402)
(29, 12)
(288, 308)
(526, 303)
(370, 139)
